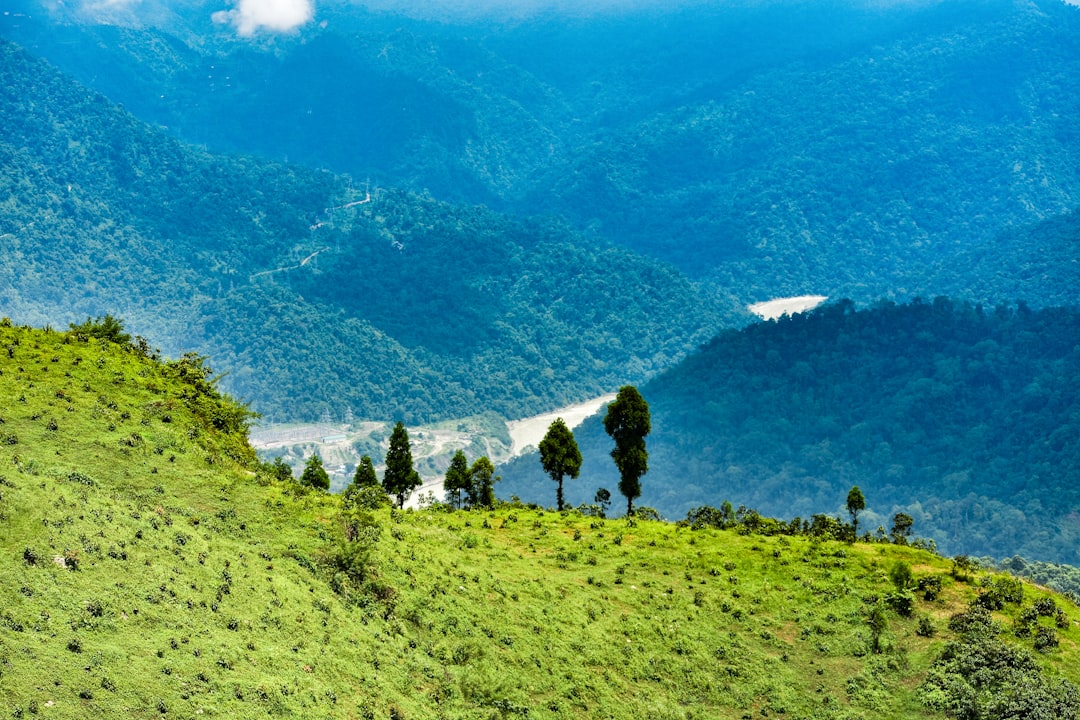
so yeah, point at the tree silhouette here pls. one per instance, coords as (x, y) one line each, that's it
(560, 455)
(627, 422)
(856, 503)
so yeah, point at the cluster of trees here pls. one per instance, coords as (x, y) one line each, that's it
(399, 480)
(820, 525)
(473, 486)
(627, 421)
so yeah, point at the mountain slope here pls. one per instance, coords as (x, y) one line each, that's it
(854, 149)
(962, 417)
(148, 571)
(318, 294)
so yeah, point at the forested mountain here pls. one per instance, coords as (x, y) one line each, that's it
(856, 149)
(315, 293)
(967, 418)
(152, 568)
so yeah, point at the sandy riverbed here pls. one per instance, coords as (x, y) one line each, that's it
(778, 307)
(528, 432)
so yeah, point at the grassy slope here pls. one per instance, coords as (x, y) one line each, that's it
(201, 590)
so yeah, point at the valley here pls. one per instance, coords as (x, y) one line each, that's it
(341, 445)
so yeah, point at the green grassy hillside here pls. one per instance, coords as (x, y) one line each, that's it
(152, 568)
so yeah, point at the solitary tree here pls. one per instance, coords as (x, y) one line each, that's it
(627, 422)
(603, 499)
(314, 474)
(559, 455)
(901, 528)
(856, 503)
(400, 479)
(456, 481)
(482, 479)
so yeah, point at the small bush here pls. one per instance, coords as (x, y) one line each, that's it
(930, 587)
(1045, 607)
(900, 574)
(1046, 639)
(902, 602)
(926, 627)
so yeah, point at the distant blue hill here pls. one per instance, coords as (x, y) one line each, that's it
(965, 417)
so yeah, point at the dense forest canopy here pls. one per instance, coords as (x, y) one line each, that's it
(962, 416)
(857, 149)
(313, 292)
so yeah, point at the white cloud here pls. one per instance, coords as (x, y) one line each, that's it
(252, 16)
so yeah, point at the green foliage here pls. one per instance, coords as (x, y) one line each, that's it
(314, 474)
(399, 478)
(856, 503)
(979, 676)
(365, 487)
(482, 479)
(901, 528)
(456, 482)
(627, 421)
(900, 575)
(878, 624)
(105, 328)
(560, 456)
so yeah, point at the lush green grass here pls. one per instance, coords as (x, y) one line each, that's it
(204, 589)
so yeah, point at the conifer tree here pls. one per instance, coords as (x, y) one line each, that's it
(314, 474)
(400, 479)
(628, 422)
(560, 455)
(363, 478)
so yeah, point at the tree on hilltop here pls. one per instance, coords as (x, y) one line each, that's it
(856, 503)
(901, 528)
(627, 422)
(560, 455)
(400, 479)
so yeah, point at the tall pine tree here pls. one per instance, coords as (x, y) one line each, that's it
(627, 422)
(400, 479)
